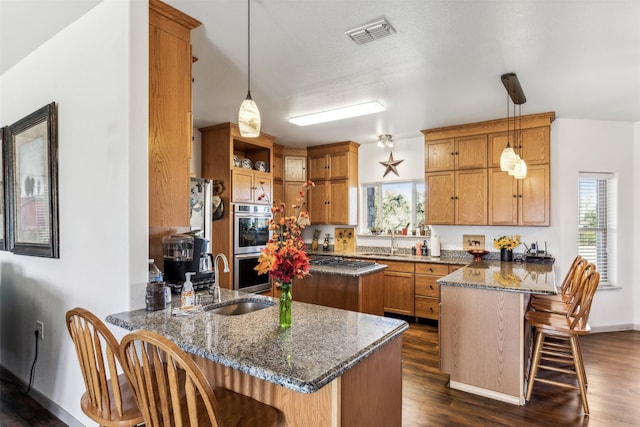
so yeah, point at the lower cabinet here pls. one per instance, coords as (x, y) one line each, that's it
(427, 291)
(398, 287)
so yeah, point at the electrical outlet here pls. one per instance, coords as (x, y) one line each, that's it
(40, 328)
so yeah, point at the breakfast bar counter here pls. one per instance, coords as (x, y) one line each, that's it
(332, 367)
(484, 340)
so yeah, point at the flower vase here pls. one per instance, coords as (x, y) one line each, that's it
(506, 255)
(285, 305)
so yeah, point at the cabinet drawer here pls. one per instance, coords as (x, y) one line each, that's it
(404, 267)
(454, 267)
(427, 308)
(428, 268)
(427, 286)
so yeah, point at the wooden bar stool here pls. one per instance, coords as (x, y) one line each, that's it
(565, 302)
(108, 399)
(172, 391)
(552, 331)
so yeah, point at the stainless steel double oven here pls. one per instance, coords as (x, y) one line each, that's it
(250, 234)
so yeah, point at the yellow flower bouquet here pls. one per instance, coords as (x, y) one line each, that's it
(507, 242)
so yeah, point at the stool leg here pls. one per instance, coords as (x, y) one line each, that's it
(580, 372)
(537, 353)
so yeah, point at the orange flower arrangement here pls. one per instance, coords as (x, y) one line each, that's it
(285, 255)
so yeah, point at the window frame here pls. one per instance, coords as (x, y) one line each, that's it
(606, 223)
(364, 228)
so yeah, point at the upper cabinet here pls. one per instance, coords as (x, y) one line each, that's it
(169, 114)
(334, 169)
(232, 158)
(464, 183)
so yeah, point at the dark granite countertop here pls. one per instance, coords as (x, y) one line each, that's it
(504, 276)
(322, 344)
(448, 257)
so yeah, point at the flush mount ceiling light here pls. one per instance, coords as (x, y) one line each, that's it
(385, 141)
(510, 161)
(371, 31)
(338, 114)
(249, 115)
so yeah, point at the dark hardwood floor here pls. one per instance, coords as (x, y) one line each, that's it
(612, 362)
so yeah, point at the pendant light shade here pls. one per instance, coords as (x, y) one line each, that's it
(510, 161)
(249, 116)
(519, 170)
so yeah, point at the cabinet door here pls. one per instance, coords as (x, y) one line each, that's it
(295, 168)
(471, 152)
(398, 293)
(503, 198)
(262, 184)
(338, 166)
(496, 144)
(277, 168)
(318, 203)
(278, 193)
(534, 145)
(291, 196)
(471, 196)
(440, 193)
(242, 186)
(339, 202)
(439, 155)
(533, 197)
(318, 168)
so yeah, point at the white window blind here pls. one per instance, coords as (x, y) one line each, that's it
(597, 221)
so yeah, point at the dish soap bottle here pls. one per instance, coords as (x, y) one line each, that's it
(325, 245)
(187, 297)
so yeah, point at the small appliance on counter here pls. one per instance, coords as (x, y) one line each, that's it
(534, 255)
(186, 253)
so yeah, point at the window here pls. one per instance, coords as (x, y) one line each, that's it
(597, 222)
(393, 205)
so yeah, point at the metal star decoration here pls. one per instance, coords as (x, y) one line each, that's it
(391, 165)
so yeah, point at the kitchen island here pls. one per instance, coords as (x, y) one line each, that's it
(484, 340)
(332, 367)
(346, 284)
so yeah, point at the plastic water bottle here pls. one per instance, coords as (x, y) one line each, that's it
(155, 275)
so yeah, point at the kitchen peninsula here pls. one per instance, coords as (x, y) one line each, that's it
(484, 341)
(332, 367)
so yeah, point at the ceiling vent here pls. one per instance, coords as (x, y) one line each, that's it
(371, 31)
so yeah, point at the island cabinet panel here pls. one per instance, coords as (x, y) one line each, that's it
(362, 293)
(368, 394)
(482, 341)
(399, 287)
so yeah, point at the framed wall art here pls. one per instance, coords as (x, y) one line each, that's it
(33, 183)
(4, 218)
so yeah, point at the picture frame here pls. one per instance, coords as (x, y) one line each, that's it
(33, 183)
(473, 242)
(4, 202)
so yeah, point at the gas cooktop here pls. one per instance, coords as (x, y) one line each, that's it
(339, 262)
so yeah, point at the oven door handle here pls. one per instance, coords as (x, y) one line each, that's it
(245, 256)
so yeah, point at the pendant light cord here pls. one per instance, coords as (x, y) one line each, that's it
(249, 48)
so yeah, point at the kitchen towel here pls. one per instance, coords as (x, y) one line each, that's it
(435, 245)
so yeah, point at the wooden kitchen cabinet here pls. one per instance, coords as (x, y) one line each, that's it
(399, 287)
(291, 194)
(458, 197)
(169, 122)
(469, 152)
(295, 168)
(458, 192)
(247, 186)
(334, 170)
(533, 145)
(219, 144)
(427, 291)
(520, 201)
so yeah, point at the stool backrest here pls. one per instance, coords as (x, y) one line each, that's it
(97, 351)
(578, 313)
(169, 387)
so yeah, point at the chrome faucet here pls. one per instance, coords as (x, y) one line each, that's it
(393, 247)
(215, 288)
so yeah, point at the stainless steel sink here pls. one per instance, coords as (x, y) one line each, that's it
(239, 307)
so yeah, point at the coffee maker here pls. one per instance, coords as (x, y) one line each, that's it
(184, 253)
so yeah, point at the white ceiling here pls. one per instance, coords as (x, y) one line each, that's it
(580, 59)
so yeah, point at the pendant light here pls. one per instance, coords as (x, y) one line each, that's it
(510, 160)
(249, 115)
